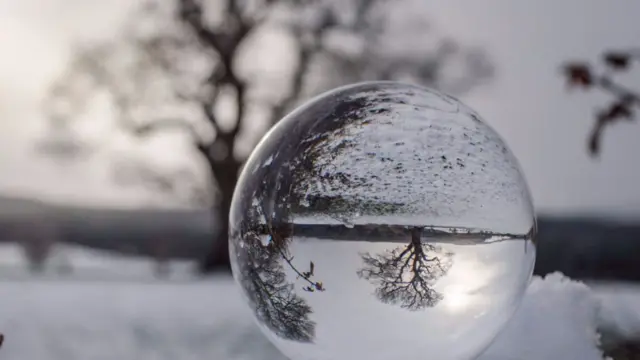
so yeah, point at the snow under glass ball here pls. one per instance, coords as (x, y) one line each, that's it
(382, 221)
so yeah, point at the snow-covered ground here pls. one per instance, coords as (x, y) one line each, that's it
(90, 317)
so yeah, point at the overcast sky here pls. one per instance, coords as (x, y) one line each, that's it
(527, 102)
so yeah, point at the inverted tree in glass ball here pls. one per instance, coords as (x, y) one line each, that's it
(382, 221)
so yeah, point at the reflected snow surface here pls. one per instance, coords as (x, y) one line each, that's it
(382, 221)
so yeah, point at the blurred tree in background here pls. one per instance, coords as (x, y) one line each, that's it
(624, 101)
(224, 71)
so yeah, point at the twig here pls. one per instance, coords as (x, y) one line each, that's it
(625, 100)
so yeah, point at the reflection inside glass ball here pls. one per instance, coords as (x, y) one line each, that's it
(382, 221)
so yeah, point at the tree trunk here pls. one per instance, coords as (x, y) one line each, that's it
(226, 174)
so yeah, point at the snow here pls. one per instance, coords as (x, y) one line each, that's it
(57, 318)
(557, 320)
(622, 313)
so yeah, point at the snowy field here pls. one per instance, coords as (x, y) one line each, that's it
(114, 309)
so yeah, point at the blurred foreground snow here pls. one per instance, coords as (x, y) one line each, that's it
(52, 318)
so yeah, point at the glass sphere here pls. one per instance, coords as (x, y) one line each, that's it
(382, 221)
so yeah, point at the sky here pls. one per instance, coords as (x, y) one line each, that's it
(527, 102)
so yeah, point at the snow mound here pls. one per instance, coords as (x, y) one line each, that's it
(620, 313)
(557, 320)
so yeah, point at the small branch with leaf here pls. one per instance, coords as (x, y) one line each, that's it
(625, 101)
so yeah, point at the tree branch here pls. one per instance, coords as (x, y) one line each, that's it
(624, 101)
(207, 109)
(608, 85)
(190, 12)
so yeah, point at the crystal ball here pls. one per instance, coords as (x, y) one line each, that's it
(380, 221)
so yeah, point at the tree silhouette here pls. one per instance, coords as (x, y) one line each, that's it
(179, 62)
(405, 275)
(272, 298)
(625, 101)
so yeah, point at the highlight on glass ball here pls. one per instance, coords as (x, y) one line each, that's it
(382, 221)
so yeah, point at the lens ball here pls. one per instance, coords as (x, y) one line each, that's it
(382, 221)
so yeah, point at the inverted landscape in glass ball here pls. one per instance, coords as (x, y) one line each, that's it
(382, 221)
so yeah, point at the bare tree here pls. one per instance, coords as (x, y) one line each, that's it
(406, 275)
(178, 65)
(624, 101)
